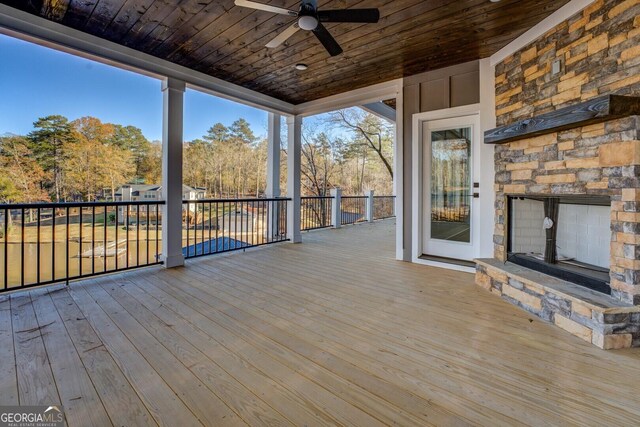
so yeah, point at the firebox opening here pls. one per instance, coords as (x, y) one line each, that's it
(567, 237)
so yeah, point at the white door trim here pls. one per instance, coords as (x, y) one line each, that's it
(443, 247)
(417, 176)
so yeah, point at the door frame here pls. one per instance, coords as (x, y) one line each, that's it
(417, 201)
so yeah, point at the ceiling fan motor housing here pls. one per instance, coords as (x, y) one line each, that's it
(308, 16)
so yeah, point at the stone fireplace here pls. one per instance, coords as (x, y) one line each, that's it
(560, 152)
(593, 175)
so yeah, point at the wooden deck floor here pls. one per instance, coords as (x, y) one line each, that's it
(333, 331)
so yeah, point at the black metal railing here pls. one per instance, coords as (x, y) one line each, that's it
(224, 225)
(44, 243)
(384, 207)
(353, 209)
(315, 212)
(451, 206)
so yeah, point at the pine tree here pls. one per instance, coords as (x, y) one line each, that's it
(47, 142)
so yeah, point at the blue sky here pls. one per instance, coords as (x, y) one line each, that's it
(36, 81)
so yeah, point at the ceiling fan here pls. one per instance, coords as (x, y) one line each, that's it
(311, 19)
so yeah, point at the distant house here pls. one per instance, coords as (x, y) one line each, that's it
(150, 193)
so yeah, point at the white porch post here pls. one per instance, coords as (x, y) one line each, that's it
(273, 157)
(294, 147)
(172, 124)
(336, 213)
(273, 174)
(369, 209)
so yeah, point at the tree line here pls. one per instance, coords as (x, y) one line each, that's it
(349, 149)
(79, 160)
(88, 160)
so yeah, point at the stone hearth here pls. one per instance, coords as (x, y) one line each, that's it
(587, 314)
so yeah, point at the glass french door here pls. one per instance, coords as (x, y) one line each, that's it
(448, 199)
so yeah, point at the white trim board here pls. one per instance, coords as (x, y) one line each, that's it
(25, 26)
(398, 174)
(365, 95)
(551, 21)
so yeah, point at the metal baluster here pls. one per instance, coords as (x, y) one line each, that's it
(126, 225)
(195, 229)
(157, 232)
(67, 248)
(137, 235)
(104, 241)
(223, 225)
(210, 224)
(242, 223)
(187, 216)
(80, 244)
(22, 248)
(7, 212)
(146, 235)
(263, 206)
(270, 217)
(117, 255)
(38, 250)
(93, 240)
(202, 233)
(218, 226)
(286, 220)
(252, 213)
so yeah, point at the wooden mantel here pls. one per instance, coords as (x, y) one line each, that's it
(596, 110)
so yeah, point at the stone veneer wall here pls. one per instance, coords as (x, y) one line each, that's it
(600, 53)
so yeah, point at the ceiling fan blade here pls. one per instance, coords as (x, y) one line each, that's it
(327, 40)
(265, 7)
(350, 15)
(283, 36)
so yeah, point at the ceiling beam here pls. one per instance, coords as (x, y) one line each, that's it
(357, 97)
(25, 26)
(381, 110)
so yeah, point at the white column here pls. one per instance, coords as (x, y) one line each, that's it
(369, 208)
(294, 147)
(273, 157)
(273, 175)
(172, 125)
(336, 212)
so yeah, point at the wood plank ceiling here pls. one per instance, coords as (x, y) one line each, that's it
(226, 41)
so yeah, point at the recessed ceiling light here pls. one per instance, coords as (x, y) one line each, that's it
(301, 67)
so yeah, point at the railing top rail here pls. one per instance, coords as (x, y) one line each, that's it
(49, 205)
(383, 197)
(254, 199)
(317, 197)
(354, 197)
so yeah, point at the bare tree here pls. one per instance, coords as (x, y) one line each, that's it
(319, 154)
(369, 130)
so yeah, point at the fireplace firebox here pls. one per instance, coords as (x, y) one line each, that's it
(565, 236)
